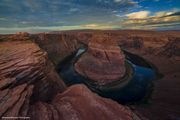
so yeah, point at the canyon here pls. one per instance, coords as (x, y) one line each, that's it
(30, 85)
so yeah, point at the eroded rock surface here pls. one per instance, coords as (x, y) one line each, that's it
(15, 102)
(103, 62)
(57, 46)
(79, 103)
(24, 62)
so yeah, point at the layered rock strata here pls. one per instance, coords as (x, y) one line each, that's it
(15, 102)
(57, 46)
(103, 62)
(24, 62)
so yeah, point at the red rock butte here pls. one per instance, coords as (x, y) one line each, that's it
(103, 62)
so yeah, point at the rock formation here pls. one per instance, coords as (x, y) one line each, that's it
(24, 62)
(57, 46)
(15, 102)
(103, 62)
(172, 47)
(30, 86)
(79, 103)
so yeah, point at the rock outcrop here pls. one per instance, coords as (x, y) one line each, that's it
(15, 102)
(171, 48)
(57, 46)
(79, 103)
(24, 62)
(103, 62)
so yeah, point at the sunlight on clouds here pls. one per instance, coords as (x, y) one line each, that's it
(163, 13)
(134, 21)
(98, 26)
(143, 19)
(138, 15)
(91, 25)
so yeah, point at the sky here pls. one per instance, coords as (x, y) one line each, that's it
(56, 15)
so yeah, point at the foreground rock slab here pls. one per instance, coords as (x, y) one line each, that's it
(79, 103)
(13, 101)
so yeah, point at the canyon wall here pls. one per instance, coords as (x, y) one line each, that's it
(61, 44)
(30, 85)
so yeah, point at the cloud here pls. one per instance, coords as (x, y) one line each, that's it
(126, 3)
(117, 1)
(70, 12)
(176, 13)
(91, 25)
(2, 19)
(74, 9)
(35, 29)
(98, 26)
(138, 15)
(85, 14)
(163, 13)
(144, 19)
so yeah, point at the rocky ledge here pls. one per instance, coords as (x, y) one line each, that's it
(24, 62)
(26, 75)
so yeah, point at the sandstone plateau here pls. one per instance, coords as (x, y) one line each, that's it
(31, 87)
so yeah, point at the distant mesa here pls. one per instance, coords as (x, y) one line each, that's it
(22, 33)
(20, 36)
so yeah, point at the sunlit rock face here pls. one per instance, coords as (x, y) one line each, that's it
(103, 62)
